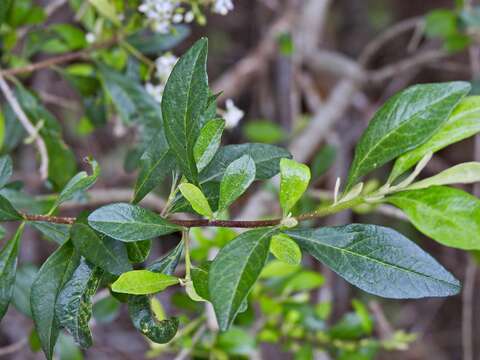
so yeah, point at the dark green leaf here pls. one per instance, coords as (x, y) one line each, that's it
(106, 310)
(323, 160)
(6, 169)
(405, 121)
(155, 43)
(127, 222)
(73, 308)
(447, 215)
(55, 232)
(266, 157)
(7, 212)
(100, 250)
(138, 251)
(378, 260)
(160, 332)
(8, 269)
(462, 123)
(200, 279)
(4, 9)
(169, 262)
(183, 102)
(23, 283)
(238, 176)
(51, 278)
(234, 272)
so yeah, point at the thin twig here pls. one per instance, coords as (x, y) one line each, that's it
(195, 338)
(29, 127)
(467, 309)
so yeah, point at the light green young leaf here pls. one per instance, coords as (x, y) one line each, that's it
(8, 269)
(461, 124)
(447, 215)
(234, 272)
(196, 198)
(51, 278)
(378, 260)
(73, 308)
(7, 212)
(304, 281)
(465, 173)
(405, 121)
(107, 9)
(238, 176)
(126, 222)
(183, 102)
(102, 251)
(79, 183)
(143, 282)
(285, 249)
(6, 169)
(208, 142)
(294, 179)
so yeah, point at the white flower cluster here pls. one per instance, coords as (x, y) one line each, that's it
(164, 65)
(232, 114)
(161, 14)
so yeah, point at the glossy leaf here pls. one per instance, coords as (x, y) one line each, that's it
(6, 169)
(208, 142)
(138, 251)
(54, 232)
(294, 179)
(465, 173)
(238, 176)
(285, 249)
(73, 308)
(234, 272)
(143, 282)
(79, 183)
(196, 199)
(461, 124)
(127, 222)
(156, 163)
(449, 216)
(8, 269)
(200, 279)
(155, 43)
(378, 260)
(7, 212)
(51, 278)
(266, 157)
(23, 283)
(100, 250)
(183, 102)
(405, 121)
(169, 262)
(160, 332)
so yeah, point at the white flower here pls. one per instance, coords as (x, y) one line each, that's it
(222, 7)
(160, 13)
(155, 90)
(164, 65)
(90, 38)
(177, 18)
(232, 114)
(189, 17)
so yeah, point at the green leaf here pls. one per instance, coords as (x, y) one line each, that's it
(156, 163)
(183, 102)
(23, 283)
(73, 308)
(8, 269)
(196, 198)
(323, 160)
(407, 120)
(100, 250)
(160, 332)
(208, 142)
(6, 169)
(51, 278)
(138, 251)
(462, 123)
(107, 9)
(238, 176)
(264, 131)
(4, 9)
(169, 262)
(149, 43)
(266, 157)
(449, 216)
(143, 282)
(294, 179)
(378, 260)
(285, 249)
(440, 23)
(304, 281)
(79, 183)
(465, 173)
(234, 272)
(127, 222)
(54, 232)
(7, 212)
(106, 310)
(200, 279)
